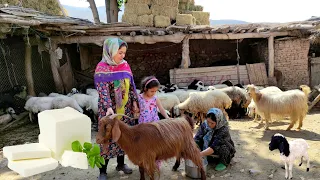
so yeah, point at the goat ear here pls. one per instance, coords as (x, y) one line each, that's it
(116, 133)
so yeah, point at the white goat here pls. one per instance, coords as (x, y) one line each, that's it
(252, 109)
(290, 151)
(292, 103)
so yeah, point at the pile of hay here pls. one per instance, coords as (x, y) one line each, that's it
(145, 20)
(162, 21)
(48, 6)
(137, 12)
(137, 9)
(168, 11)
(158, 13)
(185, 19)
(202, 18)
(139, 2)
(171, 3)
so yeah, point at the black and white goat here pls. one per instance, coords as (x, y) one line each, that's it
(290, 151)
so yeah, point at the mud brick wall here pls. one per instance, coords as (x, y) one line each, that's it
(291, 58)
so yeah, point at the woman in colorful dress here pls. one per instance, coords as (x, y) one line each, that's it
(117, 94)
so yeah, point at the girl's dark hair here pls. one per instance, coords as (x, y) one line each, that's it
(212, 116)
(123, 45)
(151, 84)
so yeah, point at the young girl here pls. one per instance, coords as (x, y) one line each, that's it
(148, 102)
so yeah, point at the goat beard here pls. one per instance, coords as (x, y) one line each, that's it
(105, 148)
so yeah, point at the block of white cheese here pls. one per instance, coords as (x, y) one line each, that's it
(26, 151)
(60, 127)
(32, 167)
(74, 159)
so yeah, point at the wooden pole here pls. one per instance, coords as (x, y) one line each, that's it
(28, 69)
(271, 56)
(185, 62)
(94, 10)
(55, 64)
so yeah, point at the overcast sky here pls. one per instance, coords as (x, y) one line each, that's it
(246, 10)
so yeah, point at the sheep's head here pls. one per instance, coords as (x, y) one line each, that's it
(278, 141)
(108, 128)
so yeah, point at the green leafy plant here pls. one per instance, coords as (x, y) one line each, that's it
(92, 151)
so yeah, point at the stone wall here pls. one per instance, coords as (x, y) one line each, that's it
(291, 58)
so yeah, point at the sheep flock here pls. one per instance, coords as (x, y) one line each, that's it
(236, 101)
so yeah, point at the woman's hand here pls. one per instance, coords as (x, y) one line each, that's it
(109, 112)
(135, 107)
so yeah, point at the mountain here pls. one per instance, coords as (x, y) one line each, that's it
(226, 21)
(85, 13)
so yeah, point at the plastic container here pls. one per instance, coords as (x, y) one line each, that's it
(192, 170)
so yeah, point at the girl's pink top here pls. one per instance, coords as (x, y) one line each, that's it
(148, 109)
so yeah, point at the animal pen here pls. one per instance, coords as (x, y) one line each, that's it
(70, 48)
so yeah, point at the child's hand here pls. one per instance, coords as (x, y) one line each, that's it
(135, 107)
(109, 112)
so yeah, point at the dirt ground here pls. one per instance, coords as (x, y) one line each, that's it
(251, 144)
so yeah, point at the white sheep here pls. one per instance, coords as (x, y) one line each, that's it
(183, 94)
(55, 95)
(293, 103)
(83, 100)
(253, 111)
(168, 101)
(38, 104)
(201, 102)
(92, 92)
(290, 151)
(65, 101)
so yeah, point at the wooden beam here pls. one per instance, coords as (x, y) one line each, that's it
(55, 64)
(84, 57)
(28, 69)
(185, 62)
(271, 56)
(174, 38)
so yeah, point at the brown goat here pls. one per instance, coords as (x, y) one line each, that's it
(145, 143)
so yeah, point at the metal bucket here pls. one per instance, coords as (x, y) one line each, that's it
(192, 170)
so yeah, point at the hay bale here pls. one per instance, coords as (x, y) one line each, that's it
(162, 21)
(184, 6)
(138, 2)
(138, 9)
(171, 3)
(195, 8)
(48, 6)
(145, 20)
(168, 11)
(185, 19)
(186, 1)
(130, 18)
(202, 18)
